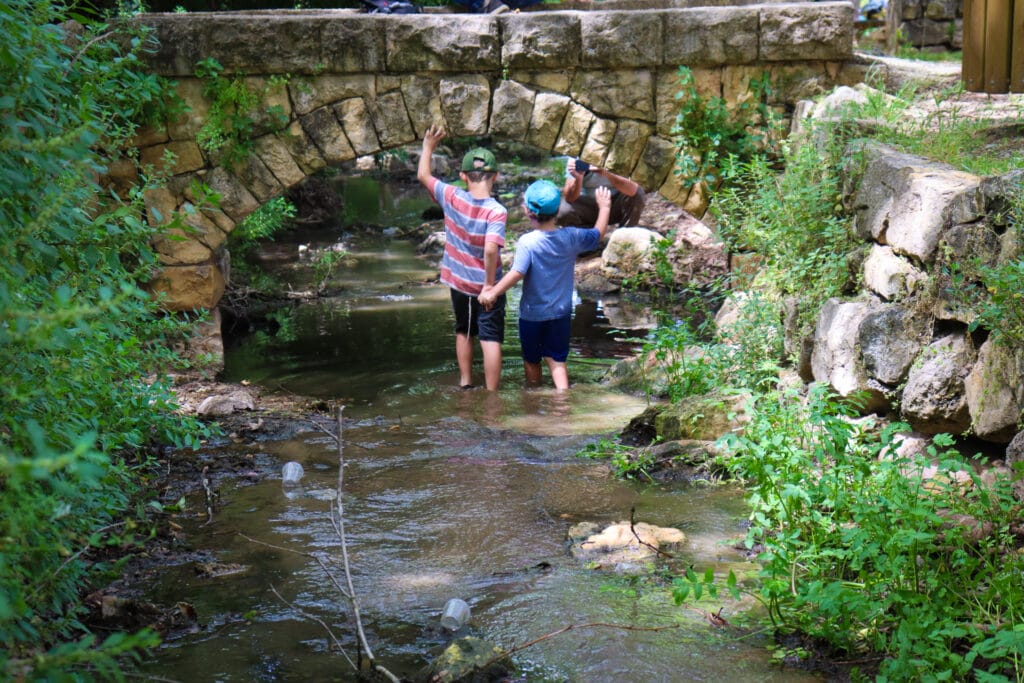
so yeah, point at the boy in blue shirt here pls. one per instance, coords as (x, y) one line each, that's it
(545, 260)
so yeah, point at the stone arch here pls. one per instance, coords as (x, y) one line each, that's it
(600, 85)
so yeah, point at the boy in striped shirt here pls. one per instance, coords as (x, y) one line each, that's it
(474, 225)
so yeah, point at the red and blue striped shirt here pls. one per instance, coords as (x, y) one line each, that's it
(469, 224)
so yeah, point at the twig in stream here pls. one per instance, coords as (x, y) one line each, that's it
(632, 527)
(209, 496)
(334, 639)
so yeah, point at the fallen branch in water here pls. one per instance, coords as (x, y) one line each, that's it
(632, 527)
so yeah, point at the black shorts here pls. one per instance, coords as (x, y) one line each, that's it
(472, 320)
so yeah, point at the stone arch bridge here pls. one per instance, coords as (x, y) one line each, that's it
(597, 84)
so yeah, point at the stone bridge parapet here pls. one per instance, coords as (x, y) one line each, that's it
(600, 85)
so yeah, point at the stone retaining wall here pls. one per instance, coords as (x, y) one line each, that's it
(598, 84)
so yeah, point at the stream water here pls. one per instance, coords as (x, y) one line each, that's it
(447, 493)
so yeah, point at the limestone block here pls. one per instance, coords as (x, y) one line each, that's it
(616, 93)
(698, 199)
(836, 358)
(736, 84)
(1014, 455)
(628, 144)
(613, 40)
(255, 175)
(179, 45)
(192, 244)
(511, 110)
(628, 251)
(323, 128)
(655, 163)
(207, 344)
(995, 392)
(309, 93)
(890, 337)
(574, 130)
(391, 120)
(697, 256)
(549, 110)
(806, 31)
(149, 135)
(278, 159)
(274, 109)
(541, 40)
(354, 45)
(422, 102)
(553, 81)
(933, 399)
(186, 288)
(196, 110)
(710, 36)
(675, 189)
(161, 205)
(465, 103)
(889, 275)
(235, 199)
(219, 218)
(793, 82)
(301, 148)
(599, 139)
(426, 42)
(185, 156)
(355, 118)
(708, 83)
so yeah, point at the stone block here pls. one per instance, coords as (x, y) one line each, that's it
(541, 40)
(309, 93)
(426, 42)
(511, 110)
(615, 40)
(627, 94)
(465, 104)
(711, 36)
(806, 31)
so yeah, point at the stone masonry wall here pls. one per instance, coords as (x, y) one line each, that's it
(598, 84)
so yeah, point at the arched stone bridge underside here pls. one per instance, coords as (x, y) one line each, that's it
(597, 84)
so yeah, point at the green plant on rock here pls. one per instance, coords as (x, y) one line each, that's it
(870, 551)
(236, 107)
(627, 462)
(709, 129)
(793, 221)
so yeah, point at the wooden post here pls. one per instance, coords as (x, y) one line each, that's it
(1017, 47)
(997, 46)
(973, 65)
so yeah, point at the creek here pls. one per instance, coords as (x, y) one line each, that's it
(447, 494)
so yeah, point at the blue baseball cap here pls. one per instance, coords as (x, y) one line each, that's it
(543, 198)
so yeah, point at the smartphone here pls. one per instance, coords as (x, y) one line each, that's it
(582, 166)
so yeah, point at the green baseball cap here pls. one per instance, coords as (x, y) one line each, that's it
(479, 159)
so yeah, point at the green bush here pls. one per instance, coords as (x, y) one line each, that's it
(864, 551)
(83, 348)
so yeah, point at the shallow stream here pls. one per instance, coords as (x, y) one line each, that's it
(447, 494)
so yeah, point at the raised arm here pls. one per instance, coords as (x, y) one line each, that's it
(431, 138)
(604, 209)
(573, 183)
(624, 185)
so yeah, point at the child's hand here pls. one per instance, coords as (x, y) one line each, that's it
(432, 137)
(604, 198)
(486, 298)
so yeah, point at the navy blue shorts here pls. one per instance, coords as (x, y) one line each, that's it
(545, 339)
(473, 321)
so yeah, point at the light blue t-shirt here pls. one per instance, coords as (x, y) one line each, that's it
(547, 260)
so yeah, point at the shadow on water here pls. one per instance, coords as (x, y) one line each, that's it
(447, 493)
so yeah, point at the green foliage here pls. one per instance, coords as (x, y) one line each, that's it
(709, 129)
(84, 350)
(324, 265)
(862, 549)
(1000, 308)
(793, 221)
(235, 111)
(628, 463)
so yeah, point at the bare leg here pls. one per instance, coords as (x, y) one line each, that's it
(533, 373)
(464, 354)
(559, 373)
(492, 363)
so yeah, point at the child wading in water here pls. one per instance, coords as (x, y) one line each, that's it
(474, 225)
(545, 260)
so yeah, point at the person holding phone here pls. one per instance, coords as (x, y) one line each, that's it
(579, 203)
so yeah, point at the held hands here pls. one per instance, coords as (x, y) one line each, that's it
(604, 198)
(487, 297)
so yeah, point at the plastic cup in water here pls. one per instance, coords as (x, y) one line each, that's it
(455, 614)
(291, 473)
